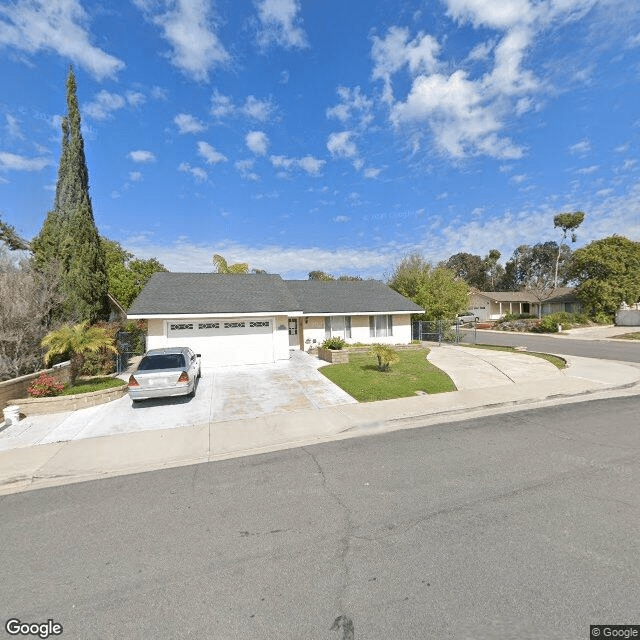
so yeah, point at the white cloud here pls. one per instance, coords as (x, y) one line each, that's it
(460, 121)
(604, 193)
(488, 13)
(257, 109)
(142, 156)
(14, 162)
(244, 168)
(395, 51)
(189, 27)
(103, 105)
(135, 98)
(282, 162)
(187, 123)
(341, 219)
(258, 142)
(588, 170)
(288, 261)
(13, 127)
(340, 145)
(55, 25)
(280, 24)
(135, 176)
(198, 173)
(313, 166)
(466, 105)
(353, 103)
(309, 164)
(210, 155)
(221, 105)
(580, 147)
(372, 172)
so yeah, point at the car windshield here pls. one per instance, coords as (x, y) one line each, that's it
(162, 361)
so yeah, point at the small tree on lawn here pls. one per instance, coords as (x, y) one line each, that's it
(386, 356)
(77, 340)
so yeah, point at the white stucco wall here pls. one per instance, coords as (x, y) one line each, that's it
(628, 318)
(157, 336)
(313, 328)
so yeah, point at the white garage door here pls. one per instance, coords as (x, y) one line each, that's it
(225, 340)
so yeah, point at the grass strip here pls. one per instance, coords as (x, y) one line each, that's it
(362, 380)
(92, 385)
(555, 360)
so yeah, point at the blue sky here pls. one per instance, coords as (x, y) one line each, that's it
(333, 135)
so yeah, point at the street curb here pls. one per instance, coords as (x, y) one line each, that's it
(54, 464)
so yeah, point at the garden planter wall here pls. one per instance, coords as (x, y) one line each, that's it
(58, 404)
(334, 356)
(15, 387)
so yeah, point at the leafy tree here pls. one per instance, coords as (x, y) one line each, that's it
(69, 238)
(493, 271)
(223, 267)
(532, 269)
(127, 274)
(607, 272)
(481, 273)
(469, 267)
(327, 277)
(437, 290)
(385, 355)
(78, 340)
(568, 223)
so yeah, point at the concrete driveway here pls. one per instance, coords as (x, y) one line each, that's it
(222, 394)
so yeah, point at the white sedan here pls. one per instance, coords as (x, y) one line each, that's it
(164, 373)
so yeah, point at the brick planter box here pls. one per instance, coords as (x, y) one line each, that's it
(58, 404)
(334, 356)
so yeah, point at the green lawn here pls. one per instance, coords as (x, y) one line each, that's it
(558, 362)
(97, 384)
(361, 379)
(629, 336)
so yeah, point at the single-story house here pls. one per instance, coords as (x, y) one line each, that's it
(258, 318)
(492, 305)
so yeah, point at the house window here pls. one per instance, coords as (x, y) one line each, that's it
(380, 326)
(233, 325)
(259, 323)
(337, 326)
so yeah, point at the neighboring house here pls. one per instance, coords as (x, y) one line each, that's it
(250, 319)
(492, 305)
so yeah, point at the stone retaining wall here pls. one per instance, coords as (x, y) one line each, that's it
(58, 404)
(17, 387)
(334, 356)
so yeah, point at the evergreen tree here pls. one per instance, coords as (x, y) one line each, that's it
(68, 243)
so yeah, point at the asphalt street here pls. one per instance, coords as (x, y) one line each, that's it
(604, 349)
(522, 525)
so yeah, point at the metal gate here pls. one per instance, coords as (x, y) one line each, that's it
(443, 331)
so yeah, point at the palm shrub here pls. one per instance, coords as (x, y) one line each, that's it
(78, 340)
(336, 343)
(386, 356)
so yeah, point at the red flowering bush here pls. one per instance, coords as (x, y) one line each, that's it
(44, 386)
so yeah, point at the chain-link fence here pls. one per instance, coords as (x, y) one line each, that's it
(443, 331)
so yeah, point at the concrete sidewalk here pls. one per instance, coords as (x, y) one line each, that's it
(487, 380)
(606, 333)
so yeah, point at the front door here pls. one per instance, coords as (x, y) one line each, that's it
(293, 333)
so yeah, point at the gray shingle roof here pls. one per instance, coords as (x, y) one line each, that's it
(209, 293)
(195, 293)
(346, 296)
(561, 294)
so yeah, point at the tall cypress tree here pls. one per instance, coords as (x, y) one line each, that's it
(68, 242)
